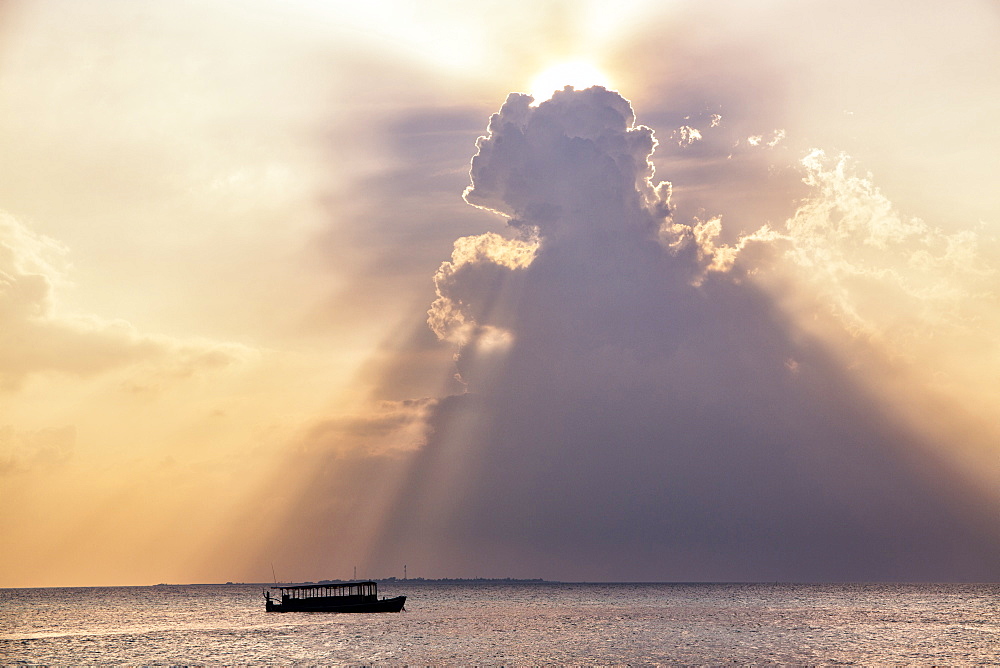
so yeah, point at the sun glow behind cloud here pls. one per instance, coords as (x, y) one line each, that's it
(579, 74)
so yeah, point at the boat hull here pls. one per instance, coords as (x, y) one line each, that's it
(312, 605)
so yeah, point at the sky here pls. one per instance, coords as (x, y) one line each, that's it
(303, 290)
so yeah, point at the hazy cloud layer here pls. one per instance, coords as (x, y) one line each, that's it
(647, 411)
(37, 337)
(40, 449)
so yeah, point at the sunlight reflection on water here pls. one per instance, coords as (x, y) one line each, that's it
(516, 623)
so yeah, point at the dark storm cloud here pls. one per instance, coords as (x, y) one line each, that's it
(634, 413)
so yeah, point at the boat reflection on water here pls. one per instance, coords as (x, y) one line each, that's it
(346, 597)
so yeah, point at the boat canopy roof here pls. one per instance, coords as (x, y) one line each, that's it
(330, 585)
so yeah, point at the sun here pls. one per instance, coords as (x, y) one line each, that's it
(577, 73)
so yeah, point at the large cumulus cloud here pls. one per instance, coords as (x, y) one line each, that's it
(637, 407)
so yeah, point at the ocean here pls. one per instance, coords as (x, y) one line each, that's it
(512, 623)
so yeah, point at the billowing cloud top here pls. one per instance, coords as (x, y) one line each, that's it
(572, 175)
(569, 162)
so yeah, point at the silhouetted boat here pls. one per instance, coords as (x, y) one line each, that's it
(347, 597)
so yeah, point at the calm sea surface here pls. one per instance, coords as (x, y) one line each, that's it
(517, 623)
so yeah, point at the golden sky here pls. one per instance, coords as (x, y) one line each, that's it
(222, 226)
